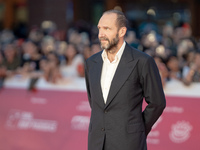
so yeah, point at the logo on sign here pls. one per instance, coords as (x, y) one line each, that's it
(25, 120)
(80, 122)
(84, 107)
(180, 132)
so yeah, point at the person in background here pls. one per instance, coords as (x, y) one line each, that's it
(193, 74)
(86, 52)
(35, 35)
(12, 60)
(73, 60)
(188, 61)
(167, 35)
(50, 68)
(30, 58)
(174, 68)
(47, 45)
(184, 46)
(164, 73)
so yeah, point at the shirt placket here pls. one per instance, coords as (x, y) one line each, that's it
(108, 80)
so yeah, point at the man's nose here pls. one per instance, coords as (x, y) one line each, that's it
(101, 34)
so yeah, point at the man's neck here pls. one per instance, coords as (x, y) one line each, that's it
(112, 53)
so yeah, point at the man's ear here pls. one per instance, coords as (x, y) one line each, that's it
(122, 31)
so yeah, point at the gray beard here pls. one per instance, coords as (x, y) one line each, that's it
(111, 44)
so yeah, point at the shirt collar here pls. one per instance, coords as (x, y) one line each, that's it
(117, 56)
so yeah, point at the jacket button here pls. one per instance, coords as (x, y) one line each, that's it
(105, 111)
(103, 129)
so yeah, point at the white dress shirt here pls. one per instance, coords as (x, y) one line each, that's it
(108, 70)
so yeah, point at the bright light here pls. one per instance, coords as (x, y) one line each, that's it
(160, 49)
(151, 12)
(151, 37)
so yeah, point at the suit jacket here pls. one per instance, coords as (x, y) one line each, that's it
(120, 124)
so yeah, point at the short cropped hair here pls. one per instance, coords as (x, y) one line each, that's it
(121, 19)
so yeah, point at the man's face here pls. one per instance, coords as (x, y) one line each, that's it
(108, 31)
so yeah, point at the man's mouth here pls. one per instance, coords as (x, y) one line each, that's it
(103, 40)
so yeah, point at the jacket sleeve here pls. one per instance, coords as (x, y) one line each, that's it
(153, 93)
(87, 83)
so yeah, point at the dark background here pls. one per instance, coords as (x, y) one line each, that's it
(27, 14)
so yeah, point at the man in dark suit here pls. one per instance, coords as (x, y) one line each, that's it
(117, 80)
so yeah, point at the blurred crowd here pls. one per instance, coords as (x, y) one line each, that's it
(57, 57)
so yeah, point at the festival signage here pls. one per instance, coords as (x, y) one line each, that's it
(59, 120)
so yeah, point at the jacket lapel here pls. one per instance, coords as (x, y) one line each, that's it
(96, 75)
(125, 67)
